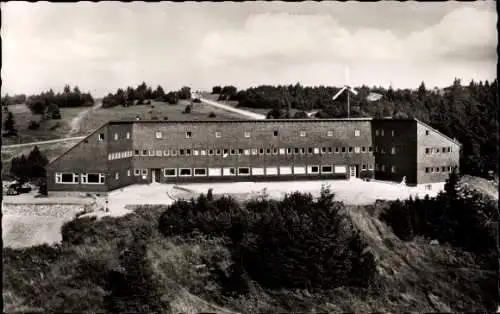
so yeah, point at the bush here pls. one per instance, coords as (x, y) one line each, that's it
(165, 118)
(33, 125)
(187, 109)
(196, 100)
(212, 115)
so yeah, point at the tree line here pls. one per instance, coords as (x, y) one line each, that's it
(143, 94)
(49, 102)
(465, 112)
(30, 168)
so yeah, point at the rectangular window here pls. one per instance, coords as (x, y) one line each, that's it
(188, 152)
(166, 153)
(443, 150)
(225, 152)
(350, 149)
(233, 151)
(196, 152)
(214, 172)
(200, 172)
(258, 171)
(275, 133)
(363, 167)
(285, 170)
(302, 150)
(427, 150)
(101, 136)
(68, 178)
(377, 132)
(357, 133)
(336, 149)
(282, 151)
(116, 136)
(329, 133)
(185, 172)
(313, 169)
(159, 153)
(363, 149)
(357, 149)
(316, 150)
(100, 178)
(326, 169)
(392, 133)
(449, 168)
(309, 150)
(302, 133)
(370, 149)
(170, 172)
(137, 172)
(393, 169)
(158, 134)
(427, 132)
(382, 132)
(218, 134)
(437, 169)
(110, 156)
(377, 167)
(370, 167)
(299, 170)
(218, 152)
(240, 151)
(393, 151)
(117, 176)
(247, 134)
(136, 152)
(243, 171)
(203, 152)
(271, 171)
(340, 169)
(449, 149)
(128, 172)
(151, 152)
(173, 152)
(210, 152)
(246, 152)
(128, 135)
(181, 152)
(382, 167)
(323, 150)
(228, 171)
(261, 151)
(188, 134)
(443, 169)
(330, 150)
(275, 151)
(343, 149)
(254, 151)
(296, 150)
(144, 172)
(144, 152)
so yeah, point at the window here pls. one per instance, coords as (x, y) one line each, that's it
(93, 178)
(137, 172)
(151, 152)
(218, 134)
(246, 152)
(247, 134)
(136, 152)
(296, 150)
(240, 151)
(382, 168)
(428, 186)
(181, 152)
(427, 132)
(166, 153)
(340, 169)
(158, 134)
(437, 169)
(203, 152)
(427, 150)
(382, 150)
(377, 132)
(313, 169)
(357, 149)
(370, 149)
(185, 172)
(330, 150)
(275, 151)
(243, 171)
(228, 171)
(101, 136)
(117, 176)
(170, 172)
(302, 133)
(357, 133)
(261, 151)
(271, 171)
(258, 171)
(196, 152)
(316, 150)
(282, 151)
(199, 172)
(326, 169)
(382, 132)
(343, 149)
(443, 169)
(363, 149)
(363, 167)
(350, 149)
(144, 172)
(370, 167)
(336, 149)
(159, 153)
(329, 133)
(69, 178)
(285, 170)
(128, 135)
(275, 133)
(210, 152)
(225, 152)
(377, 167)
(393, 150)
(110, 156)
(188, 134)
(188, 152)
(174, 152)
(443, 150)
(323, 150)
(302, 151)
(213, 172)
(233, 151)
(309, 150)
(254, 151)
(393, 169)
(449, 168)
(392, 133)
(116, 136)
(449, 149)
(128, 172)
(299, 170)
(218, 152)
(144, 152)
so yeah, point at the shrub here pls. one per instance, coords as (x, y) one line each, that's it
(165, 118)
(197, 100)
(187, 109)
(212, 115)
(33, 125)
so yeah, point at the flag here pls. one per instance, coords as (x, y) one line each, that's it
(373, 96)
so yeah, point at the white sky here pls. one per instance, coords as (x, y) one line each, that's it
(106, 45)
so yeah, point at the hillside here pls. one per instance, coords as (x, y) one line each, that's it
(188, 270)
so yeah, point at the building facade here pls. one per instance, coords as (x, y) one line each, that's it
(122, 153)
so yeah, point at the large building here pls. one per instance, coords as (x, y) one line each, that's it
(122, 153)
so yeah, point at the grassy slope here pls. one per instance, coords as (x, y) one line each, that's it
(413, 275)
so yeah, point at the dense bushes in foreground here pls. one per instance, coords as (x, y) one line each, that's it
(298, 242)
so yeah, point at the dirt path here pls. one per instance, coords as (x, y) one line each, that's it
(245, 113)
(76, 122)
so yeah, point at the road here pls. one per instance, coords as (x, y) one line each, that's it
(245, 113)
(67, 139)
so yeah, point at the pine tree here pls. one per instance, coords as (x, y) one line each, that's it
(9, 125)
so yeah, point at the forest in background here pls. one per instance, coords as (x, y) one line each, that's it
(465, 112)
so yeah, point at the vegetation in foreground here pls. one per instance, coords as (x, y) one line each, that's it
(299, 253)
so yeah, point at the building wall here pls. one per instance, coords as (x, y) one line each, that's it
(232, 136)
(120, 166)
(401, 135)
(434, 139)
(87, 156)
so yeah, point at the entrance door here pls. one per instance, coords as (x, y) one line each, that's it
(155, 175)
(352, 172)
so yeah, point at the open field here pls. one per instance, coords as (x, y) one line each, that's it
(22, 118)
(199, 112)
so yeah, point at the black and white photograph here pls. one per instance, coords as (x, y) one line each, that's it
(249, 157)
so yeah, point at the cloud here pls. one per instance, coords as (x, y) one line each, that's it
(321, 38)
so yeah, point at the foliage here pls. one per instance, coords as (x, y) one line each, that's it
(467, 113)
(187, 109)
(185, 93)
(53, 111)
(29, 168)
(212, 115)
(197, 100)
(216, 90)
(311, 237)
(38, 104)
(13, 100)
(171, 98)
(228, 93)
(9, 125)
(33, 125)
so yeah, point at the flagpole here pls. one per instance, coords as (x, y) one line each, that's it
(348, 105)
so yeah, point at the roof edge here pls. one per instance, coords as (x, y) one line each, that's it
(435, 130)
